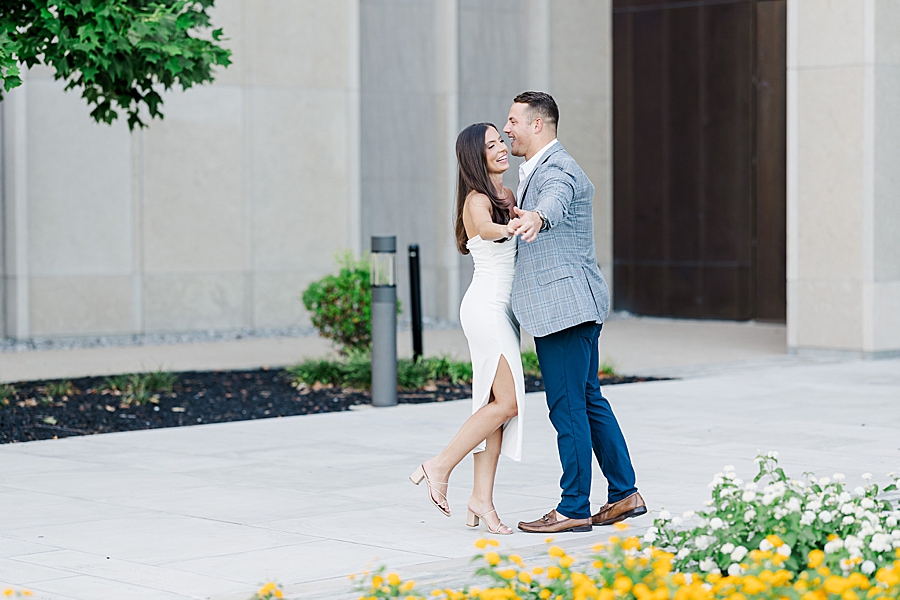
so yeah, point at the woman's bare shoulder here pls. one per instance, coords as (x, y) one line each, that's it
(477, 199)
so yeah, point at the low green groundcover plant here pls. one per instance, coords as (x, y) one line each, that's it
(355, 371)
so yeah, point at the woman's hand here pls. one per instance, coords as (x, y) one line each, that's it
(526, 225)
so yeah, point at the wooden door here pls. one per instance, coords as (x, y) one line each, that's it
(699, 112)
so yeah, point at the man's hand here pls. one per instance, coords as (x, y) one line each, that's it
(526, 225)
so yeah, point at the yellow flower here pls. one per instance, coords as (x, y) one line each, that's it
(849, 595)
(408, 585)
(525, 577)
(598, 547)
(553, 572)
(606, 594)
(393, 579)
(598, 564)
(537, 570)
(377, 581)
(7, 592)
(266, 588)
(493, 543)
(661, 593)
(492, 558)
(621, 526)
(641, 591)
(278, 594)
(631, 543)
(549, 540)
(816, 557)
(481, 544)
(614, 539)
(774, 540)
(516, 559)
(622, 584)
(556, 551)
(545, 593)
(751, 585)
(507, 573)
(834, 585)
(566, 562)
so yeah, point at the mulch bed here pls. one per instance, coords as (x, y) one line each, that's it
(197, 397)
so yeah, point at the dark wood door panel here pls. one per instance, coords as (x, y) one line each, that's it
(691, 227)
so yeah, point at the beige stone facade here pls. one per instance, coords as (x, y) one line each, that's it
(338, 120)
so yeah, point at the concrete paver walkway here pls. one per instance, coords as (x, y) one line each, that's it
(214, 510)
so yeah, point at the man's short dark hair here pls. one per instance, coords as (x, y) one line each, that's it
(541, 105)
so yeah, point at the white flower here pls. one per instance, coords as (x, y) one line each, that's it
(748, 496)
(751, 485)
(738, 481)
(847, 509)
(852, 542)
(702, 542)
(826, 516)
(683, 553)
(880, 543)
(716, 523)
(848, 520)
(772, 454)
(735, 569)
(866, 476)
(824, 481)
(784, 550)
(749, 515)
(688, 514)
(808, 518)
(814, 505)
(765, 545)
(859, 491)
(649, 537)
(707, 565)
(727, 548)
(665, 515)
(768, 499)
(838, 477)
(708, 503)
(845, 497)
(867, 503)
(891, 521)
(688, 578)
(793, 505)
(867, 567)
(676, 521)
(834, 545)
(779, 513)
(739, 553)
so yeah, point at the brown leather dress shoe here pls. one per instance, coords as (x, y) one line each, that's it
(632, 506)
(553, 522)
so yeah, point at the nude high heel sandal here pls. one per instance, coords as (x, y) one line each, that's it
(417, 478)
(472, 520)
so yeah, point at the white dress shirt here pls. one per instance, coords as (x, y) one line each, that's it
(527, 167)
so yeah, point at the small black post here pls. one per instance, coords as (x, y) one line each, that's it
(415, 292)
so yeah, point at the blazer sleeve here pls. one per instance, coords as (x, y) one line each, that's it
(555, 195)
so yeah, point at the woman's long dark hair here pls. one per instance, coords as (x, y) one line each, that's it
(472, 175)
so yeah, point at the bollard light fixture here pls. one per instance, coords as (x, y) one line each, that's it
(382, 270)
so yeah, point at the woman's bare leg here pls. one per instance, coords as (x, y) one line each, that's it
(477, 429)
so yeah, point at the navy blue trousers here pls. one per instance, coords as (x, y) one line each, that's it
(583, 419)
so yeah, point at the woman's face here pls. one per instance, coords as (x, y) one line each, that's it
(495, 152)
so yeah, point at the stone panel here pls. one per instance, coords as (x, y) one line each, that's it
(300, 191)
(886, 317)
(61, 306)
(79, 185)
(194, 196)
(831, 32)
(830, 314)
(830, 171)
(195, 302)
(887, 175)
(277, 298)
(301, 43)
(887, 32)
(231, 17)
(397, 48)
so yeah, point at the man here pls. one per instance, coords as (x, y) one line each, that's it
(561, 298)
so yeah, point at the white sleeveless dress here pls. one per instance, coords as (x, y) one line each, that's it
(493, 331)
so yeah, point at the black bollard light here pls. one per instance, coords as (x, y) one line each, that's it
(415, 300)
(384, 320)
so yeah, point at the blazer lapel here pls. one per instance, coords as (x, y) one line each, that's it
(556, 148)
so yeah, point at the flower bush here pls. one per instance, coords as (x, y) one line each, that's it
(775, 517)
(628, 569)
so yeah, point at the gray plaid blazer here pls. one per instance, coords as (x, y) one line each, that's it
(558, 283)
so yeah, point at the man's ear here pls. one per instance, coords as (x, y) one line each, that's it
(538, 125)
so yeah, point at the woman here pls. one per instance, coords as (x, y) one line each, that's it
(483, 209)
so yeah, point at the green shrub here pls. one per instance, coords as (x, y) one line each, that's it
(340, 306)
(7, 393)
(532, 367)
(355, 371)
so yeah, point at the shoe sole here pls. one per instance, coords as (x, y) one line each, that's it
(634, 512)
(578, 529)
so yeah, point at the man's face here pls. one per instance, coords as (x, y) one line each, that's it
(519, 129)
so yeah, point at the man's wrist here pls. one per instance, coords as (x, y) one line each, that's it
(543, 219)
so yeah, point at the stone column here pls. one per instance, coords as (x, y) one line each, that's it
(843, 181)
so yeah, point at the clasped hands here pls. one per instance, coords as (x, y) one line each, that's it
(526, 224)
